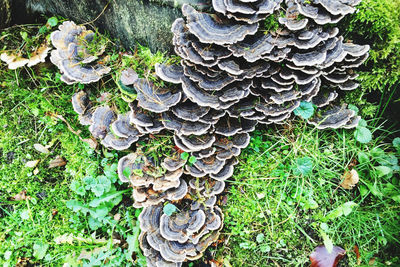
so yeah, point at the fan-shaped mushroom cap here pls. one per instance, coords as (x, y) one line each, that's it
(146, 196)
(339, 7)
(334, 118)
(39, 56)
(127, 162)
(183, 127)
(210, 164)
(208, 30)
(102, 119)
(123, 128)
(323, 98)
(128, 77)
(74, 71)
(198, 95)
(181, 226)
(189, 111)
(169, 73)
(172, 164)
(155, 99)
(197, 143)
(72, 57)
(81, 102)
(119, 143)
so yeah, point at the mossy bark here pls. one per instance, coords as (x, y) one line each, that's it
(146, 22)
(5, 13)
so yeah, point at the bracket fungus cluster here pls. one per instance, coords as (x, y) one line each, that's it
(73, 54)
(232, 76)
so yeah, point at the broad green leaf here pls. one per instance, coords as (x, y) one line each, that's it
(305, 110)
(362, 123)
(89, 182)
(185, 155)
(39, 250)
(24, 215)
(353, 107)
(260, 238)
(348, 207)
(363, 135)
(192, 159)
(78, 188)
(396, 144)
(127, 172)
(100, 212)
(169, 209)
(105, 181)
(363, 158)
(76, 206)
(265, 248)
(383, 171)
(303, 166)
(94, 224)
(53, 21)
(106, 198)
(98, 189)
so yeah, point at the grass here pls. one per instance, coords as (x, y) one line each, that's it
(282, 202)
(275, 215)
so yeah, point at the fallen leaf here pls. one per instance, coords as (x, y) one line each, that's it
(350, 179)
(92, 143)
(357, 251)
(260, 195)
(21, 196)
(57, 162)
(371, 261)
(64, 239)
(32, 163)
(117, 217)
(322, 258)
(35, 171)
(41, 148)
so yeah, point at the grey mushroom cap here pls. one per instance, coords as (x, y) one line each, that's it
(81, 102)
(155, 99)
(169, 73)
(199, 95)
(127, 162)
(183, 127)
(123, 128)
(334, 118)
(128, 76)
(204, 27)
(189, 111)
(118, 143)
(181, 226)
(102, 119)
(172, 164)
(197, 143)
(76, 72)
(210, 164)
(339, 7)
(324, 98)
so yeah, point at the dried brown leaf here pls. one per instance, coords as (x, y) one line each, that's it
(41, 148)
(57, 162)
(350, 179)
(21, 196)
(32, 163)
(92, 143)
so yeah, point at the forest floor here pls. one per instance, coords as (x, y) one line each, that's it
(287, 195)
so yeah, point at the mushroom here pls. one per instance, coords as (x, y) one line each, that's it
(72, 56)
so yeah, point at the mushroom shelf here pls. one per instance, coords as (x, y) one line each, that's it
(232, 76)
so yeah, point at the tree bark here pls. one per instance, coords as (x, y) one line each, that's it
(146, 22)
(5, 13)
